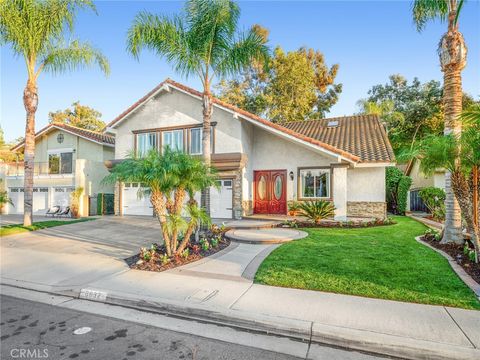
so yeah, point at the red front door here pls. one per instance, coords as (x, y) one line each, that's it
(270, 192)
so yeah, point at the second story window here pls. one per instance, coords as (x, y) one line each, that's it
(60, 163)
(146, 142)
(196, 141)
(173, 139)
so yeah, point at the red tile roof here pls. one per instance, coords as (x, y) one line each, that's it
(384, 154)
(88, 134)
(360, 135)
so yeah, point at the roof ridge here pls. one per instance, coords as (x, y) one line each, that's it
(101, 133)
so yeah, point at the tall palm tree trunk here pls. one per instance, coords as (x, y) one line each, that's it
(452, 99)
(30, 101)
(206, 143)
(453, 108)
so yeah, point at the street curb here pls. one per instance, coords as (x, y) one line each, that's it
(300, 330)
(351, 339)
(462, 274)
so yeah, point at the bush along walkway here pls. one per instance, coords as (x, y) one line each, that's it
(381, 262)
(19, 228)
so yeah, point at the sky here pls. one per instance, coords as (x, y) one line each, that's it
(370, 40)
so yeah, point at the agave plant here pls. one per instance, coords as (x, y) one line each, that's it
(317, 210)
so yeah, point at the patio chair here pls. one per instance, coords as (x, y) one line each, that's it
(64, 212)
(53, 210)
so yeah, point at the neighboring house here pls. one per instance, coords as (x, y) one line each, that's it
(66, 157)
(420, 181)
(261, 165)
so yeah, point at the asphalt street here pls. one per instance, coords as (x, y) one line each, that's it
(39, 331)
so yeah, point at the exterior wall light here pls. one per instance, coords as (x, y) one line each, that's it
(291, 175)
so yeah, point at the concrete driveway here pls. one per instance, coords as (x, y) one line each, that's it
(74, 254)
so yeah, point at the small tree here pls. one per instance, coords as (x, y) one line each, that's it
(397, 184)
(169, 178)
(461, 156)
(434, 200)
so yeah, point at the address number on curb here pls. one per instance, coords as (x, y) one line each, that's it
(90, 294)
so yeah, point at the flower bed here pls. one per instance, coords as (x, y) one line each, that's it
(460, 253)
(155, 258)
(336, 224)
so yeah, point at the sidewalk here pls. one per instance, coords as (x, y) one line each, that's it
(219, 290)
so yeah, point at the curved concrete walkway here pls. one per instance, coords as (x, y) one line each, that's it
(264, 236)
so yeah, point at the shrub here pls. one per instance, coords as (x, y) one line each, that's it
(317, 210)
(397, 186)
(434, 200)
(75, 201)
(293, 208)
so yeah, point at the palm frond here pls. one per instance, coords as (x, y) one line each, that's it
(426, 10)
(29, 26)
(73, 56)
(250, 47)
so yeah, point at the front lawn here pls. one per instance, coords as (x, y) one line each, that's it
(380, 262)
(19, 228)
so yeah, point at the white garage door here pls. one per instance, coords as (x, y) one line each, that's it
(221, 200)
(40, 200)
(61, 196)
(133, 204)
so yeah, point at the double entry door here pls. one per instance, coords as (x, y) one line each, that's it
(270, 195)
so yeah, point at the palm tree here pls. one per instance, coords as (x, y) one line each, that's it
(452, 52)
(36, 31)
(443, 152)
(202, 41)
(169, 177)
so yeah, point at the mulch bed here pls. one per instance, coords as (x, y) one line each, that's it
(456, 252)
(155, 264)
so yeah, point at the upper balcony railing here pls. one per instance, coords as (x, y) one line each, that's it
(40, 168)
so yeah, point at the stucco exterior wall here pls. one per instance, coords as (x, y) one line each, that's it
(175, 108)
(273, 153)
(366, 184)
(420, 180)
(88, 166)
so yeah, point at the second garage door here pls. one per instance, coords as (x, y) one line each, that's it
(220, 200)
(133, 203)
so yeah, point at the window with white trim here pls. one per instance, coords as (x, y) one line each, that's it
(195, 146)
(60, 163)
(196, 141)
(146, 142)
(314, 183)
(173, 139)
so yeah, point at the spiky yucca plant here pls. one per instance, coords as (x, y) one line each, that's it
(317, 210)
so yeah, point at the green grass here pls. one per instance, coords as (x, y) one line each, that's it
(19, 228)
(380, 262)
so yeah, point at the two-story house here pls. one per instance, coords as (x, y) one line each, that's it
(66, 158)
(261, 165)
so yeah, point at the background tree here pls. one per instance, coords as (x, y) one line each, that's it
(170, 178)
(5, 154)
(411, 111)
(247, 90)
(203, 41)
(297, 85)
(453, 58)
(81, 116)
(37, 31)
